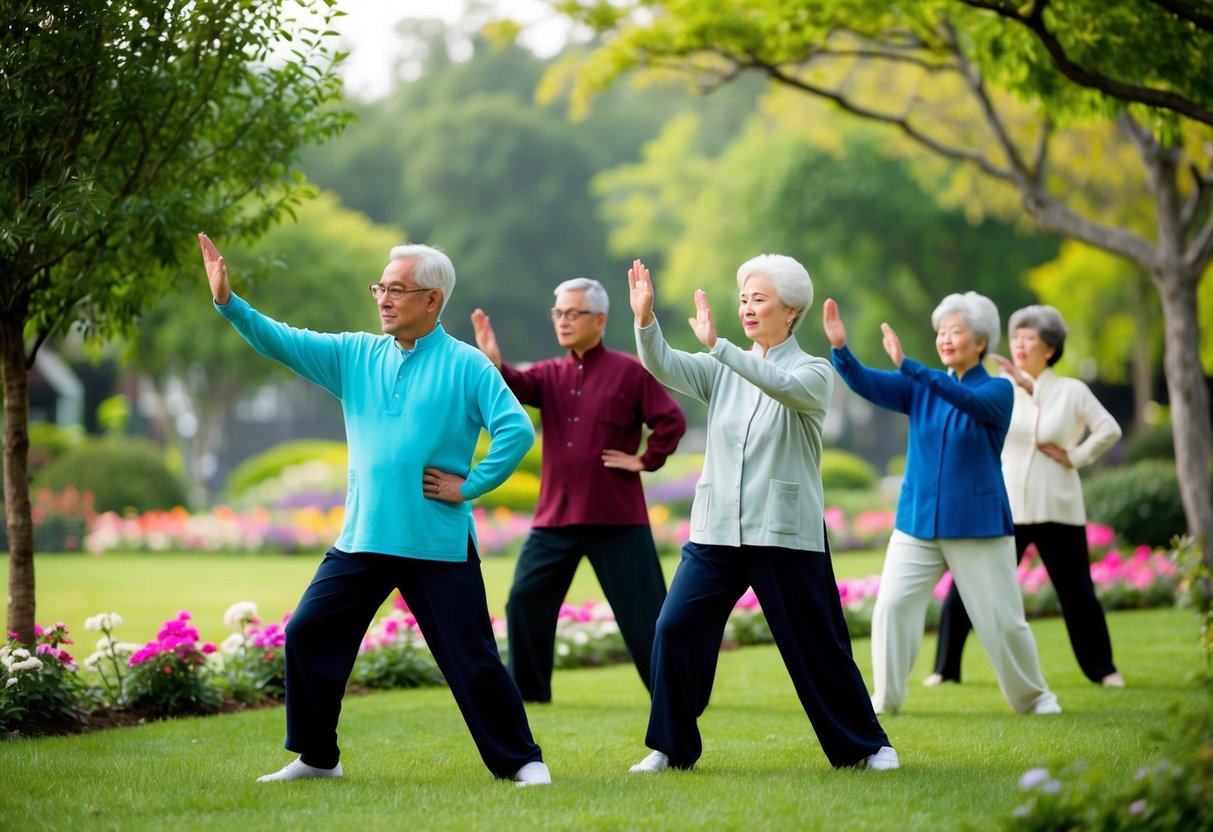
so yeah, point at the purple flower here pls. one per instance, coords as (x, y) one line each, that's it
(1033, 777)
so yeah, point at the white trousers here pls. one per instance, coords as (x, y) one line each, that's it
(984, 572)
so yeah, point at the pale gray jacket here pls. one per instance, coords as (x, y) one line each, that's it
(761, 480)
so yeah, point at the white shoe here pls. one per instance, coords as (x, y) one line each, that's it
(1045, 704)
(1113, 680)
(533, 774)
(299, 770)
(883, 760)
(651, 764)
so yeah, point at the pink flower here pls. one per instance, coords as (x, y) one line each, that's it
(836, 519)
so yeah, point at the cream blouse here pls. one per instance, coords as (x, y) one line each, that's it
(1059, 410)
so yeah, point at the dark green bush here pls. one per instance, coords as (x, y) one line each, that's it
(846, 471)
(1140, 502)
(120, 473)
(1151, 442)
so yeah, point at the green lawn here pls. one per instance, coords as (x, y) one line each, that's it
(410, 762)
(411, 765)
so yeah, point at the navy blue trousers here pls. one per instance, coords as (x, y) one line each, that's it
(800, 599)
(626, 563)
(1066, 557)
(447, 599)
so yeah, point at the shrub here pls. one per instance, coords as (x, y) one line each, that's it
(1140, 501)
(519, 493)
(269, 464)
(48, 442)
(845, 471)
(121, 474)
(1151, 442)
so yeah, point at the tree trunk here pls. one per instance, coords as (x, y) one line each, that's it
(1189, 395)
(18, 515)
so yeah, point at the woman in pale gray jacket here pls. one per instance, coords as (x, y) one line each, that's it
(757, 520)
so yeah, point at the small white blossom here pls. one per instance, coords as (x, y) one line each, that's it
(232, 644)
(102, 622)
(237, 614)
(32, 663)
(11, 682)
(1033, 778)
(562, 649)
(20, 653)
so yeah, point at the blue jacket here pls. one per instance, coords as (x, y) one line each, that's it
(953, 484)
(404, 411)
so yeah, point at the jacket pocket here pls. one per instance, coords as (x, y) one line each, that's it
(701, 507)
(783, 507)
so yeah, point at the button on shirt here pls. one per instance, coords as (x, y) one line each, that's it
(953, 481)
(1059, 410)
(761, 480)
(588, 404)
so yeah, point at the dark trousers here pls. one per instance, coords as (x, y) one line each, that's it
(447, 599)
(800, 599)
(624, 559)
(1063, 550)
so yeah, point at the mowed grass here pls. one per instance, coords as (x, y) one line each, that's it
(410, 762)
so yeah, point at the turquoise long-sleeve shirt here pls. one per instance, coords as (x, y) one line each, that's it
(953, 484)
(405, 410)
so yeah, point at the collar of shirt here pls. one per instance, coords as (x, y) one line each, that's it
(589, 355)
(425, 342)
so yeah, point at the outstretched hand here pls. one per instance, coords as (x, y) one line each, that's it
(831, 321)
(486, 339)
(216, 270)
(892, 345)
(640, 289)
(1018, 376)
(701, 324)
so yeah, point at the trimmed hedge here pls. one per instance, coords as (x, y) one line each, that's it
(1141, 502)
(845, 471)
(121, 473)
(270, 463)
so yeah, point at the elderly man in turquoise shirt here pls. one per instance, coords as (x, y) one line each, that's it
(414, 401)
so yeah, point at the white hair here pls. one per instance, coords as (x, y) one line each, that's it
(977, 311)
(792, 282)
(433, 270)
(596, 299)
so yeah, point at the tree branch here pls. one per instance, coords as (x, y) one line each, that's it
(1084, 77)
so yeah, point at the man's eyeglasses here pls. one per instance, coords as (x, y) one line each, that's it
(570, 314)
(378, 290)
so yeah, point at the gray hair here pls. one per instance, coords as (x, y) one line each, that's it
(596, 299)
(977, 311)
(1047, 321)
(792, 281)
(433, 270)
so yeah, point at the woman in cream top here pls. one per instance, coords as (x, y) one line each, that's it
(1057, 427)
(757, 520)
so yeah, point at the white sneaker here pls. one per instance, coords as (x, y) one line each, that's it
(651, 764)
(1113, 680)
(299, 770)
(883, 760)
(533, 774)
(1046, 703)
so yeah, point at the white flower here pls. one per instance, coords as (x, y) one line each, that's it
(232, 644)
(580, 638)
(237, 614)
(11, 682)
(1033, 778)
(32, 663)
(20, 653)
(102, 622)
(562, 649)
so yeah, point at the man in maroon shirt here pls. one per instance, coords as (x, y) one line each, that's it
(593, 403)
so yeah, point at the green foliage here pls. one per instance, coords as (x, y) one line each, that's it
(270, 463)
(1166, 796)
(1197, 586)
(121, 474)
(47, 441)
(845, 471)
(113, 414)
(519, 493)
(1141, 502)
(401, 664)
(1156, 441)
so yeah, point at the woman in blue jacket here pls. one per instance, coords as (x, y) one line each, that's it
(953, 511)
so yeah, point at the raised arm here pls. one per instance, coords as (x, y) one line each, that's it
(889, 390)
(693, 375)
